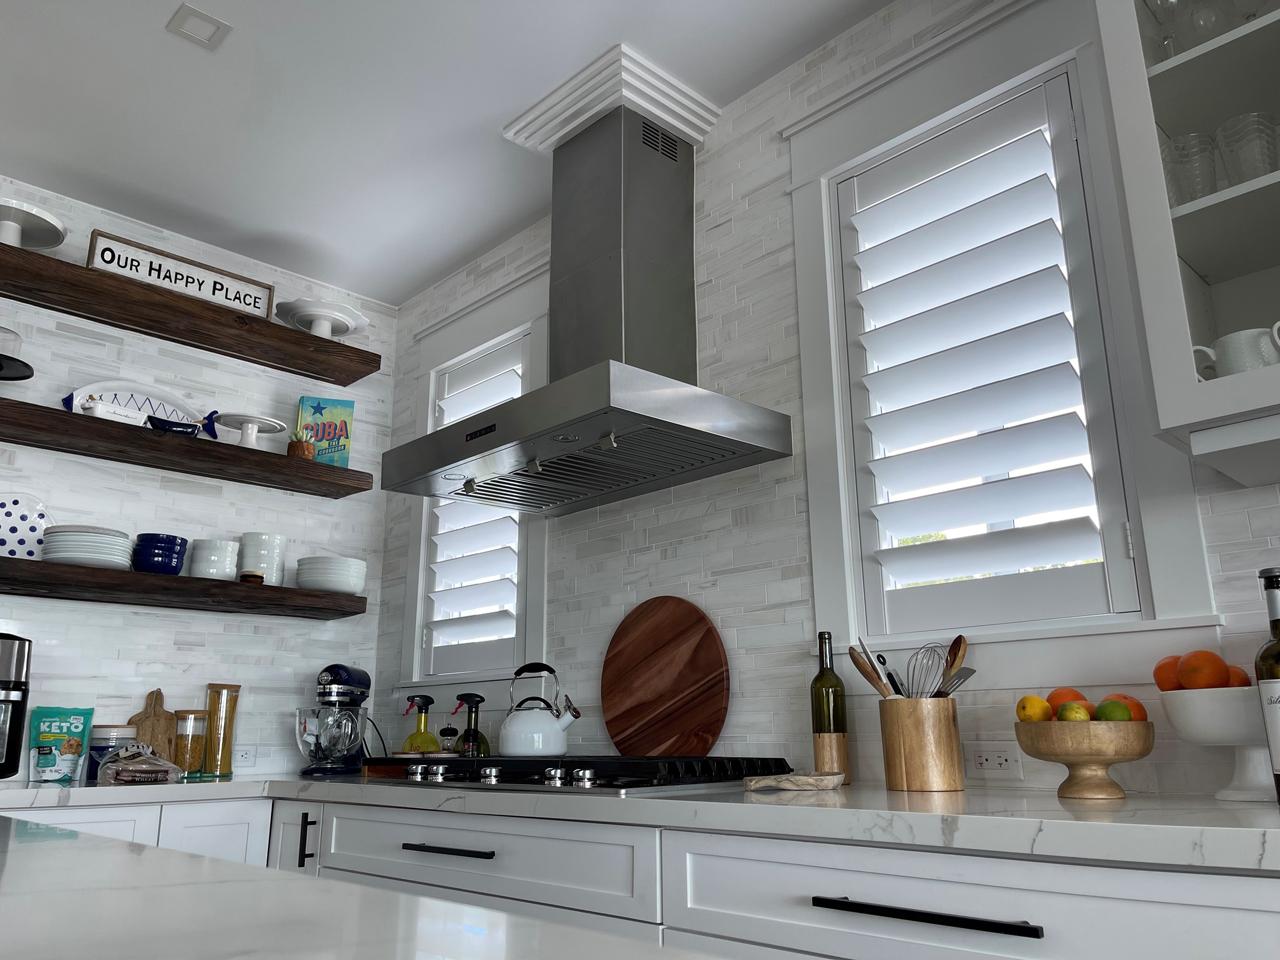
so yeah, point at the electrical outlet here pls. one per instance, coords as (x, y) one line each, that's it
(993, 760)
(244, 756)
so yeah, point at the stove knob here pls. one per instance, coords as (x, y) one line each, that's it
(436, 772)
(416, 771)
(554, 775)
(489, 774)
(584, 777)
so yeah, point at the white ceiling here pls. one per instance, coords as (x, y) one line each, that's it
(354, 141)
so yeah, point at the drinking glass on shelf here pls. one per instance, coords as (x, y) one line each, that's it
(1249, 146)
(1165, 13)
(1193, 159)
(1201, 20)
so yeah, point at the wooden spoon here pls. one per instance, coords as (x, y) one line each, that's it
(869, 673)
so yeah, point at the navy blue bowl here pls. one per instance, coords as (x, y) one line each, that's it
(161, 541)
(157, 563)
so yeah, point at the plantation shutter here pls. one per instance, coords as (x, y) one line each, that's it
(979, 497)
(474, 549)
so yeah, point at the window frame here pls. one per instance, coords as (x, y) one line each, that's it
(519, 311)
(1082, 283)
(972, 65)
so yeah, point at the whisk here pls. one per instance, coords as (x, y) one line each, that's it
(925, 669)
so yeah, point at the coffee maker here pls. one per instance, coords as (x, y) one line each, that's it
(15, 668)
(331, 734)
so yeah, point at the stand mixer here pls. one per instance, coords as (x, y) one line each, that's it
(331, 734)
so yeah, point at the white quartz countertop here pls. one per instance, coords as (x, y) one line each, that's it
(70, 896)
(1196, 833)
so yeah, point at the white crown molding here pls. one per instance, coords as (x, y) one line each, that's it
(619, 77)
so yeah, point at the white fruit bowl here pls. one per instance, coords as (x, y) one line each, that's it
(1227, 717)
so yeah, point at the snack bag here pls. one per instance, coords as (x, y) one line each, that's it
(59, 739)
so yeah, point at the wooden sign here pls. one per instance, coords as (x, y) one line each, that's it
(172, 272)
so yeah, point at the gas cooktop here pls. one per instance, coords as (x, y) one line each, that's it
(605, 776)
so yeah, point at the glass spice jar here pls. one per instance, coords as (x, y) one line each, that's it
(220, 731)
(189, 746)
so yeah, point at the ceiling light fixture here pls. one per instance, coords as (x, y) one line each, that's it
(197, 26)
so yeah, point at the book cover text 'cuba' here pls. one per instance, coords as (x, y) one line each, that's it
(327, 423)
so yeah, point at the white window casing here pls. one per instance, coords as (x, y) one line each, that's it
(997, 334)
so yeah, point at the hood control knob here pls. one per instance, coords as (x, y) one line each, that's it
(490, 774)
(584, 777)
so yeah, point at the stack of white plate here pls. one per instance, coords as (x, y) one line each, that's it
(87, 546)
(335, 574)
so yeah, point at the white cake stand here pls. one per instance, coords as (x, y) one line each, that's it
(321, 318)
(250, 426)
(22, 225)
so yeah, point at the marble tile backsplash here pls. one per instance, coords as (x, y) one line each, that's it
(108, 656)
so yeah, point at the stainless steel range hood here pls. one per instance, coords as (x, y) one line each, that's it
(623, 414)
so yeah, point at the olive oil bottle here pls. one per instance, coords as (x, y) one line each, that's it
(826, 700)
(1267, 668)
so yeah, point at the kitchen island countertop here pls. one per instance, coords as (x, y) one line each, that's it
(69, 895)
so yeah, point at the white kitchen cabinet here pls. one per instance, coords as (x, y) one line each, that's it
(139, 823)
(842, 900)
(598, 868)
(295, 836)
(236, 830)
(634, 929)
(1206, 267)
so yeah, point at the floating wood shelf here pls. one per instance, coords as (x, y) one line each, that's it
(49, 429)
(119, 302)
(64, 581)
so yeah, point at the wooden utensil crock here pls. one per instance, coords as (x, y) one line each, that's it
(921, 740)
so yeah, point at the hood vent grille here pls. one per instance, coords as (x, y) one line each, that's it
(639, 457)
(655, 138)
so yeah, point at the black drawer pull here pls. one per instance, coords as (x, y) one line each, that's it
(450, 851)
(303, 856)
(1011, 928)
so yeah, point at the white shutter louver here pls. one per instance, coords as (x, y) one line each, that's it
(976, 437)
(474, 549)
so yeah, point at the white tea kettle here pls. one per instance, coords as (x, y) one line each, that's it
(535, 727)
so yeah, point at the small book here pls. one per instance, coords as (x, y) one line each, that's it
(327, 423)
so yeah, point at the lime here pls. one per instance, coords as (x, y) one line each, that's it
(1114, 710)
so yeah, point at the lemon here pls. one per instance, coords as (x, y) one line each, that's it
(1114, 710)
(1033, 709)
(1075, 710)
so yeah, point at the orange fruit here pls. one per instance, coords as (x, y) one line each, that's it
(1202, 669)
(1063, 695)
(1238, 677)
(1136, 710)
(1166, 673)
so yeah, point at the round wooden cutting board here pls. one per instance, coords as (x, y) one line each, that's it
(665, 686)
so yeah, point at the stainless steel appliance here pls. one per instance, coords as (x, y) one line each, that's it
(623, 413)
(604, 776)
(15, 671)
(331, 734)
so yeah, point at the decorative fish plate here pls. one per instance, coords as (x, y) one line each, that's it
(129, 402)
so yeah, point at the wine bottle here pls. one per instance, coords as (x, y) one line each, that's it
(1267, 668)
(826, 700)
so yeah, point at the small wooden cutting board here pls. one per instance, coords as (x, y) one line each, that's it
(157, 727)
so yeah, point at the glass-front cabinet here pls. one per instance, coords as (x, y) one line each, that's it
(1210, 79)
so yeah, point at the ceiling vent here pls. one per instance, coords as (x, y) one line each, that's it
(198, 27)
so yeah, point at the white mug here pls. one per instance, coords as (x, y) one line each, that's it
(1241, 351)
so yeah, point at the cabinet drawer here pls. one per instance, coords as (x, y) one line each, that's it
(138, 824)
(880, 904)
(598, 868)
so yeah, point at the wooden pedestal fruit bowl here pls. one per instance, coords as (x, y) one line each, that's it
(1087, 749)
